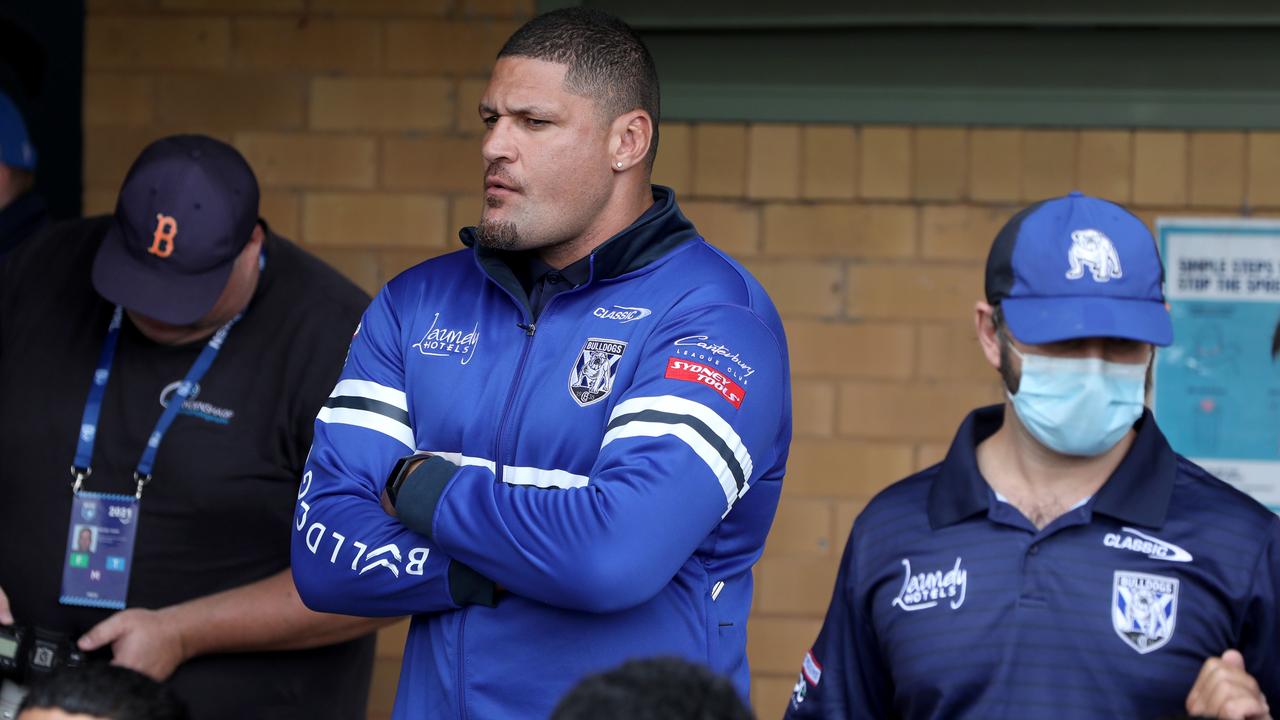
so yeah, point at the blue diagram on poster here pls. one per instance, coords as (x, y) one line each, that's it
(1217, 388)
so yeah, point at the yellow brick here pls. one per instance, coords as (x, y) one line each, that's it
(115, 99)
(951, 352)
(281, 209)
(770, 694)
(940, 162)
(801, 288)
(391, 640)
(885, 170)
(235, 6)
(1217, 169)
(813, 408)
(849, 350)
(930, 454)
(922, 411)
(466, 117)
(961, 232)
(370, 103)
(920, 292)
(995, 164)
(156, 43)
(1048, 163)
(359, 266)
(719, 160)
(777, 645)
(383, 8)
(1160, 167)
(795, 585)
(374, 219)
(732, 227)
(433, 164)
(844, 469)
(382, 687)
(773, 171)
(284, 160)
(102, 201)
(110, 151)
(847, 511)
(673, 166)
(446, 46)
(231, 101)
(840, 230)
(314, 44)
(498, 8)
(1264, 169)
(464, 211)
(800, 527)
(1106, 164)
(829, 166)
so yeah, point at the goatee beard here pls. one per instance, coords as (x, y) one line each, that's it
(497, 235)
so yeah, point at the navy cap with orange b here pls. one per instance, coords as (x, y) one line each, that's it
(187, 209)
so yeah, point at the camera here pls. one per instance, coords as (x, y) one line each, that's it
(26, 655)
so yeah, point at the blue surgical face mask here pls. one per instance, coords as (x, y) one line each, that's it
(1078, 406)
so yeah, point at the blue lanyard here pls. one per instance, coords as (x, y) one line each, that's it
(93, 406)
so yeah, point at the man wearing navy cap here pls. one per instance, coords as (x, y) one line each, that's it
(1062, 561)
(22, 212)
(174, 356)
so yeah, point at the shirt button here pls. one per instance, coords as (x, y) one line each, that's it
(553, 278)
(1034, 550)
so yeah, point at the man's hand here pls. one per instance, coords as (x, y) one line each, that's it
(148, 641)
(6, 617)
(1224, 690)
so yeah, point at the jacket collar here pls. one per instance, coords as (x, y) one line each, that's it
(1137, 492)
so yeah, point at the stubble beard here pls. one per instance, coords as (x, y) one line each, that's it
(497, 234)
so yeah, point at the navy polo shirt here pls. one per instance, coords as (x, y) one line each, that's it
(950, 603)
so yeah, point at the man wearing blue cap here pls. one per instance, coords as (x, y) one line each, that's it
(22, 212)
(1062, 561)
(174, 356)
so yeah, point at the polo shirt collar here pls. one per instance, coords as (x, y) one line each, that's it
(1138, 492)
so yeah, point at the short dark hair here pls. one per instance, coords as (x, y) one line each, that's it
(106, 691)
(657, 689)
(607, 60)
(1011, 381)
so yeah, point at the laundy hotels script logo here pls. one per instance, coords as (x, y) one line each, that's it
(441, 341)
(923, 590)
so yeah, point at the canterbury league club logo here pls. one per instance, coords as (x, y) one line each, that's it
(162, 240)
(594, 370)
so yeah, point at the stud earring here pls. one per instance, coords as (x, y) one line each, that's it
(619, 165)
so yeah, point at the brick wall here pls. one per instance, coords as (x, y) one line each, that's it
(358, 116)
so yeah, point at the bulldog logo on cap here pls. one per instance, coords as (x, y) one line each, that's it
(162, 241)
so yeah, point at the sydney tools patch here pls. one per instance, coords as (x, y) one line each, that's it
(704, 374)
(591, 379)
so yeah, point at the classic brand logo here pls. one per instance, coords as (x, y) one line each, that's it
(1152, 547)
(1092, 248)
(162, 240)
(697, 372)
(925, 590)
(622, 313)
(444, 342)
(591, 379)
(1144, 609)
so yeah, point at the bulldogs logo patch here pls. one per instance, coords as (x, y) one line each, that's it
(592, 377)
(1144, 609)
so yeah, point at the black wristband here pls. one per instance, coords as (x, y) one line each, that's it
(400, 471)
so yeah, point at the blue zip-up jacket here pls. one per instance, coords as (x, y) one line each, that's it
(614, 468)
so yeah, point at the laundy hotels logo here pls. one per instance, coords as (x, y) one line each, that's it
(921, 591)
(449, 342)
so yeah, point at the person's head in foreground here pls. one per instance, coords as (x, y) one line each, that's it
(17, 154)
(183, 253)
(100, 692)
(655, 689)
(1074, 307)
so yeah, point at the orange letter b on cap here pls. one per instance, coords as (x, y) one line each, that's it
(162, 242)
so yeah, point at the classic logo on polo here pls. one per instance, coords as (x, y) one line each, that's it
(441, 341)
(1144, 609)
(196, 408)
(162, 240)
(1152, 547)
(1093, 249)
(921, 591)
(703, 374)
(592, 376)
(622, 313)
